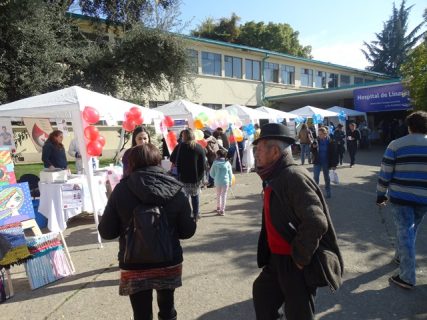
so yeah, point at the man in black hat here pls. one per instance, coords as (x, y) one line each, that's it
(295, 218)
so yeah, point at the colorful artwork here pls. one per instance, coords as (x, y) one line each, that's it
(15, 203)
(39, 129)
(6, 134)
(7, 174)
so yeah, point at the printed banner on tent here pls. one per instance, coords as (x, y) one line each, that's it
(39, 130)
(61, 124)
(383, 98)
(6, 134)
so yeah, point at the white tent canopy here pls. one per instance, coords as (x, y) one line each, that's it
(309, 111)
(182, 109)
(277, 114)
(248, 115)
(68, 104)
(347, 112)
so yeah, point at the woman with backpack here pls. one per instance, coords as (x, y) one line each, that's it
(148, 184)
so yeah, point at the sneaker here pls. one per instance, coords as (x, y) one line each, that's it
(396, 280)
(222, 213)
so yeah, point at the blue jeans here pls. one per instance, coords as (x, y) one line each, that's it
(407, 219)
(195, 205)
(316, 173)
(305, 150)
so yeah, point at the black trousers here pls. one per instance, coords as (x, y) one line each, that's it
(281, 282)
(352, 148)
(143, 309)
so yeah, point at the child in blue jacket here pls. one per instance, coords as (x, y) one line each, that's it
(222, 174)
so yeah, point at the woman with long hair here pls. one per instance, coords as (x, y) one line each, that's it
(149, 184)
(190, 158)
(139, 136)
(53, 152)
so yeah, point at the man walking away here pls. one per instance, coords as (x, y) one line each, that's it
(403, 181)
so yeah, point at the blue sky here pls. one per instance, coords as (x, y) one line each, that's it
(335, 29)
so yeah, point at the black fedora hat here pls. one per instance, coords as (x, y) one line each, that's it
(275, 131)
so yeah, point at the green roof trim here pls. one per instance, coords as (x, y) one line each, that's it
(278, 54)
(320, 90)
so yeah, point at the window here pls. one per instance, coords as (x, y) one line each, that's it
(358, 80)
(214, 106)
(320, 80)
(306, 77)
(287, 74)
(233, 67)
(271, 72)
(253, 68)
(193, 60)
(345, 80)
(332, 80)
(211, 63)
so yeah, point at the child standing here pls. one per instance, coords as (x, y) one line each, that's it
(222, 174)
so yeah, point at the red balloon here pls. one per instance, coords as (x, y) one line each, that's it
(203, 143)
(101, 140)
(90, 115)
(91, 133)
(94, 148)
(168, 122)
(138, 121)
(135, 112)
(128, 125)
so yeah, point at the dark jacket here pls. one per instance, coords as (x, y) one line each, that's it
(296, 195)
(356, 137)
(332, 153)
(53, 155)
(190, 163)
(153, 186)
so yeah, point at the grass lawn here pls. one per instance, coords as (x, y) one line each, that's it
(35, 168)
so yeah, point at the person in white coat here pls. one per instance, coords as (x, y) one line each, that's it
(74, 151)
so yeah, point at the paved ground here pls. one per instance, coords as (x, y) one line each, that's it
(220, 262)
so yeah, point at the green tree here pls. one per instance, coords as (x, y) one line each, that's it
(225, 30)
(42, 50)
(278, 37)
(393, 44)
(414, 72)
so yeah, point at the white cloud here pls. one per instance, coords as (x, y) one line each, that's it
(346, 54)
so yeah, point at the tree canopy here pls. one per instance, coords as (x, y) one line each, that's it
(414, 72)
(393, 43)
(278, 37)
(42, 50)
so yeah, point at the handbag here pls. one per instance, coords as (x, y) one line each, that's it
(333, 176)
(174, 168)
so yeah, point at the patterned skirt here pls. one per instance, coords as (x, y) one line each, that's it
(134, 281)
(191, 189)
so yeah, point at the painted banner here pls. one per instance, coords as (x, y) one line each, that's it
(7, 173)
(384, 98)
(15, 203)
(39, 130)
(6, 134)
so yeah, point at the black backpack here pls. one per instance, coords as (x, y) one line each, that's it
(148, 239)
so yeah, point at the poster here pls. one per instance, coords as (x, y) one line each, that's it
(384, 98)
(72, 196)
(6, 134)
(7, 173)
(15, 203)
(61, 124)
(39, 130)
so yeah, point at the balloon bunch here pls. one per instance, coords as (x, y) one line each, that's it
(300, 119)
(317, 118)
(342, 116)
(168, 135)
(133, 118)
(201, 121)
(94, 141)
(249, 129)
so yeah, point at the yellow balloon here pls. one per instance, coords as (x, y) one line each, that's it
(233, 180)
(198, 134)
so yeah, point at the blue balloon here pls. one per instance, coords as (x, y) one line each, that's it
(342, 116)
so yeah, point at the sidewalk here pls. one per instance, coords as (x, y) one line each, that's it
(220, 262)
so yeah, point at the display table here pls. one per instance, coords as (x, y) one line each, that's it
(60, 201)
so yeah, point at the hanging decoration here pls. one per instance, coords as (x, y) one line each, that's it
(94, 148)
(90, 115)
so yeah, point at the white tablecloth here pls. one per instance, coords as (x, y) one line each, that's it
(52, 205)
